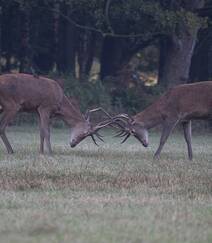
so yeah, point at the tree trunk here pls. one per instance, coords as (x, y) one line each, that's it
(24, 55)
(176, 53)
(42, 39)
(115, 55)
(6, 37)
(66, 43)
(175, 60)
(56, 27)
(202, 58)
(85, 53)
(210, 54)
(70, 52)
(0, 37)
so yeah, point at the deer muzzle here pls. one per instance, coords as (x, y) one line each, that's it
(144, 142)
(73, 144)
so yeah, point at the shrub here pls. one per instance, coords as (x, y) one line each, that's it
(89, 94)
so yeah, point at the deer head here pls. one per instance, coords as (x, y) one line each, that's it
(85, 128)
(128, 126)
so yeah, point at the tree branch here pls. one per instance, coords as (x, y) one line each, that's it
(93, 29)
(204, 12)
(107, 9)
(145, 43)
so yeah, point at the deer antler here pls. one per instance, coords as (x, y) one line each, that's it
(94, 140)
(99, 126)
(88, 112)
(124, 117)
(103, 124)
(125, 127)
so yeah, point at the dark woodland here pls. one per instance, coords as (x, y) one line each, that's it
(119, 54)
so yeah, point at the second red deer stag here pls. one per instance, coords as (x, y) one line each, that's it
(180, 104)
(24, 92)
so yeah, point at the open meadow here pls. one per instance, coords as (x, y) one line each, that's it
(112, 193)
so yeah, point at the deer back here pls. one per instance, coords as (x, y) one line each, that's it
(29, 92)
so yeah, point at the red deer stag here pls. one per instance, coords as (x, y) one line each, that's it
(24, 92)
(180, 104)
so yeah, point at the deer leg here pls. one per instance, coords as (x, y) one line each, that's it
(7, 117)
(168, 126)
(44, 130)
(187, 135)
(41, 138)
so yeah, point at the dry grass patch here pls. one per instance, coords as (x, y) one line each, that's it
(109, 194)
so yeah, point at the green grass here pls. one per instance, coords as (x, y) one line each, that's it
(114, 193)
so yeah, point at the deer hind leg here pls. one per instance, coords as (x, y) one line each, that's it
(44, 129)
(168, 126)
(187, 135)
(7, 117)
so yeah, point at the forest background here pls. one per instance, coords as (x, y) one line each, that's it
(119, 54)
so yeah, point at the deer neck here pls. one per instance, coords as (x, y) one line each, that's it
(150, 117)
(69, 113)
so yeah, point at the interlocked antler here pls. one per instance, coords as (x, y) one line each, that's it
(88, 112)
(122, 121)
(125, 125)
(100, 125)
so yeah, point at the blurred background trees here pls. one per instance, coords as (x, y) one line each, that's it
(117, 52)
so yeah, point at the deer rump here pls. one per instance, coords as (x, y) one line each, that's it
(24, 92)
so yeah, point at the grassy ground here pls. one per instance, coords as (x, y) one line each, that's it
(114, 193)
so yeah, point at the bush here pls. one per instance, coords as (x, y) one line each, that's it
(89, 94)
(94, 93)
(135, 99)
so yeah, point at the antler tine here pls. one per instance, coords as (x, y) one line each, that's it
(120, 136)
(99, 136)
(125, 139)
(125, 116)
(119, 133)
(94, 140)
(102, 125)
(122, 118)
(98, 109)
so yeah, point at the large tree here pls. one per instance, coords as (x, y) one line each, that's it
(60, 33)
(202, 58)
(173, 24)
(177, 47)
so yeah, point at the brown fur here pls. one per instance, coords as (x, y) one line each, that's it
(183, 102)
(180, 104)
(24, 92)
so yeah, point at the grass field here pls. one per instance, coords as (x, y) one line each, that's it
(114, 193)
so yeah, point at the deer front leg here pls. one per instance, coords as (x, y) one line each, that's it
(44, 130)
(168, 126)
(187, 135)
(7, 117)
(41, 138)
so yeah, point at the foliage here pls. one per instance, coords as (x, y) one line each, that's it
(93, 94)
(88, 94)
(41, 40)
(130, 17)
(45, 34)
